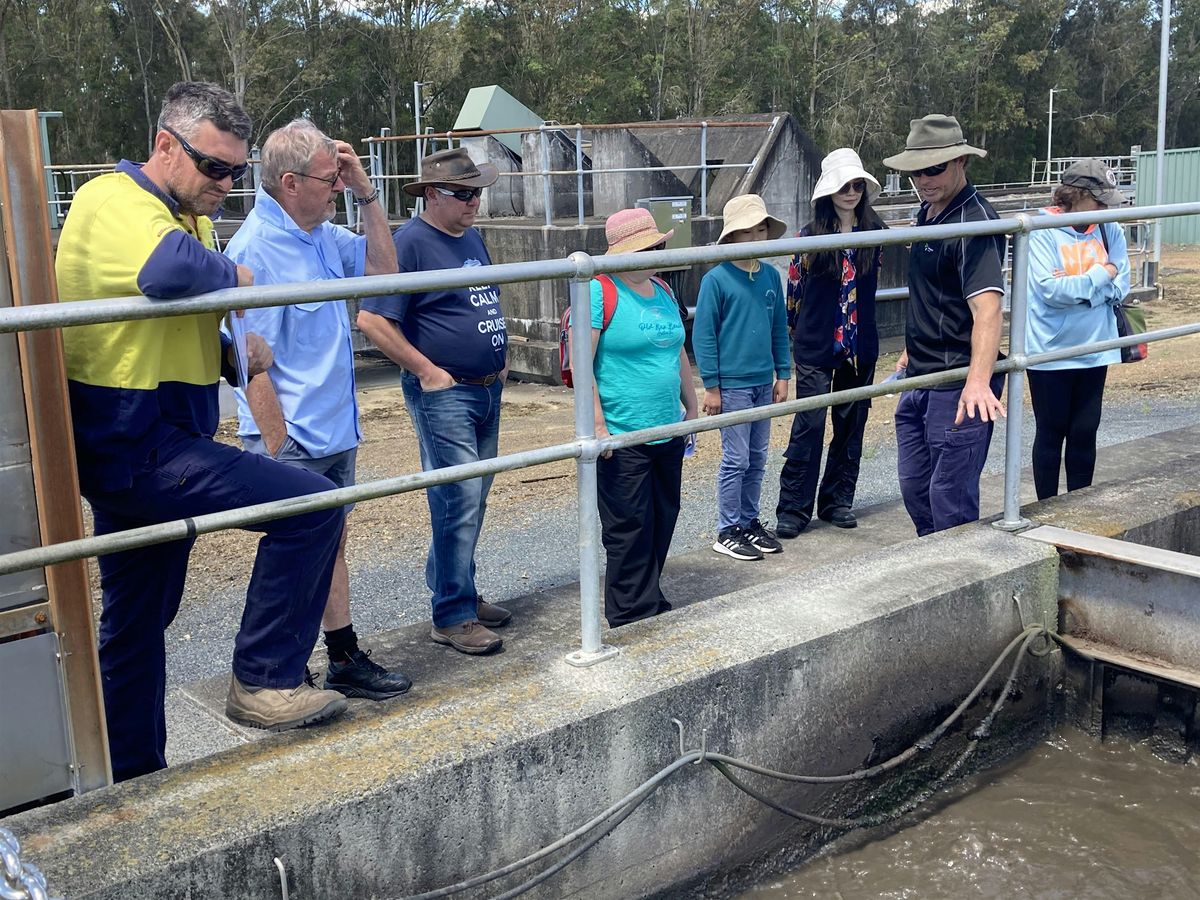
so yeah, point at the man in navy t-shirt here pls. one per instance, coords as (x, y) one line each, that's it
(453, 347)
(955, 289)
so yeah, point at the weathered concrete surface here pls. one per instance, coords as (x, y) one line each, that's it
(491, 758)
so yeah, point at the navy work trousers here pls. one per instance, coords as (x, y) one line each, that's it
(939, 462)
(190, 476)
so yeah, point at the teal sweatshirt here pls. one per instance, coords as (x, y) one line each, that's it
(740, 335)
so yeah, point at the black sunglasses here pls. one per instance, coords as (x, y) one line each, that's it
(930, 171)
(853, 187)
(208, 166)
(466, 195)
(662, 245)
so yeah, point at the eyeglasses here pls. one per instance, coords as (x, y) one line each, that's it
(930, 171)
(208, 166)
(466, 195)
(661, 245)
(329, 181)
(853, 187)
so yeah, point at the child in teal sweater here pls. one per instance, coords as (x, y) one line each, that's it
(742, 350)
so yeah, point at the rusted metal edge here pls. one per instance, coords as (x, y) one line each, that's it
(1117, 550)
(1144, 665)
(29, 268)
(24, 619)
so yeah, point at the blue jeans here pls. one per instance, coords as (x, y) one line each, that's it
(457, 425)
(939, 462)
(743, 458)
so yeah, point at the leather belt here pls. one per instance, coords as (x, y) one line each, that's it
(484, 380)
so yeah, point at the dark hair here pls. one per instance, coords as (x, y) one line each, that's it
(825, 221)
(1067, 196)
(188, 103)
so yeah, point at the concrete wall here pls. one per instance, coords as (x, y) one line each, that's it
(564, 189)
(826, 674)
(616, 149)
(507, 196)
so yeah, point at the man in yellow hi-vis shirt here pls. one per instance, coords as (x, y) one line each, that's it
(144, 408)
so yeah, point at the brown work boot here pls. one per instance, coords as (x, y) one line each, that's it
(491, 615)
(467, 637)
(280, 709)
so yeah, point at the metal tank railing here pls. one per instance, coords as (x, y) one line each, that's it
(377, 162)
(585, 449)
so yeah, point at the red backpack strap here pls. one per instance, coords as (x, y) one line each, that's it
(608, 297)
(662, 284)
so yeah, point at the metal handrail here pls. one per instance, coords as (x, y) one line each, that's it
(579, 267)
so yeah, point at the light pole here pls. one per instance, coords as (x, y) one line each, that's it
(1160, 157)
(1050, 132)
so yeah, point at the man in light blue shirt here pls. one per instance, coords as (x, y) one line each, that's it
(302, 411)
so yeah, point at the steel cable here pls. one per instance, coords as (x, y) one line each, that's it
(618, 812)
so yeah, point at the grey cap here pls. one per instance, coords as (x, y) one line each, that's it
(1096, 178)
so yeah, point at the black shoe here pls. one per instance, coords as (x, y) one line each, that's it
(359, 677)
(789, 527)
(840, 516)
(761, 537)
(734, 542)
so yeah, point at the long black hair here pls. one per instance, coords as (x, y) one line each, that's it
(825, 221)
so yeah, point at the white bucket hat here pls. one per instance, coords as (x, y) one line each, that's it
(840, 168)
(747, 211)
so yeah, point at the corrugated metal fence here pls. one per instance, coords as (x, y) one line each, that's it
(1181, 185)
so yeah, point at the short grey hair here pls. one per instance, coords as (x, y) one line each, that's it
(292, 148)
(189, 103)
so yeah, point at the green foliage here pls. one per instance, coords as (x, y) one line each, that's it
(852, 72)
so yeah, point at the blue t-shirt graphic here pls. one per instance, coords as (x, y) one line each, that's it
(461, 330)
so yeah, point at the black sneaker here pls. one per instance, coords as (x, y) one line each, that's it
(761, 537)
(734, 542)
(359, 677)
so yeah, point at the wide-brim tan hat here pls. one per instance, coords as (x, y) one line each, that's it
(838, 169)
(748, 211)
(453, 168)
(631, 230)
(931, 141)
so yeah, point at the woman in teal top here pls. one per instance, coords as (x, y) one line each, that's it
(643, 379)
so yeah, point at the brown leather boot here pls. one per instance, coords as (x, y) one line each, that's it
(467, 637)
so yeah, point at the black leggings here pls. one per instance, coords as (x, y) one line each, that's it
(1066, 407)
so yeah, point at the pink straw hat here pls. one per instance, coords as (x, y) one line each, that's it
(631, 230)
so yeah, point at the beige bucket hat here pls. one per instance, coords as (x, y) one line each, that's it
(932, 140)
(747, 211)
(838, 169)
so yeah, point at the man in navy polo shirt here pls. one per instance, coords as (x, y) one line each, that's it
(956, 287)
(453, 347)
(302, 411)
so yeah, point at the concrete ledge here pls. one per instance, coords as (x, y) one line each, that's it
(509, 752)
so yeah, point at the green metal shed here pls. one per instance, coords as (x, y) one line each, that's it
(1181, 185)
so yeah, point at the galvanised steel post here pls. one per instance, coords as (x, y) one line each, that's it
(1013, 452)
(704, 168)
(544, 141)
(579, 168)
(591, 651)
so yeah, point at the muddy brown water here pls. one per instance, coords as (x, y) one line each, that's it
(1072, 818)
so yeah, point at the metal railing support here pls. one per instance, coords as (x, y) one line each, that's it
(1013, 452)
(579, 169)
(544, 142)
(704, 168)
(591, 650)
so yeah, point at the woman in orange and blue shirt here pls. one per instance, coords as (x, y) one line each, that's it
(1077, 274)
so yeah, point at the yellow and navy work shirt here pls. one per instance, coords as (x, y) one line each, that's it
(132, 384)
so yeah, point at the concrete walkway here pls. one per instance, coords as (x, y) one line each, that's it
(197, 725)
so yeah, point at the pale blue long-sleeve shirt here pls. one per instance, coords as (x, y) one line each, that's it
(1075, 306)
